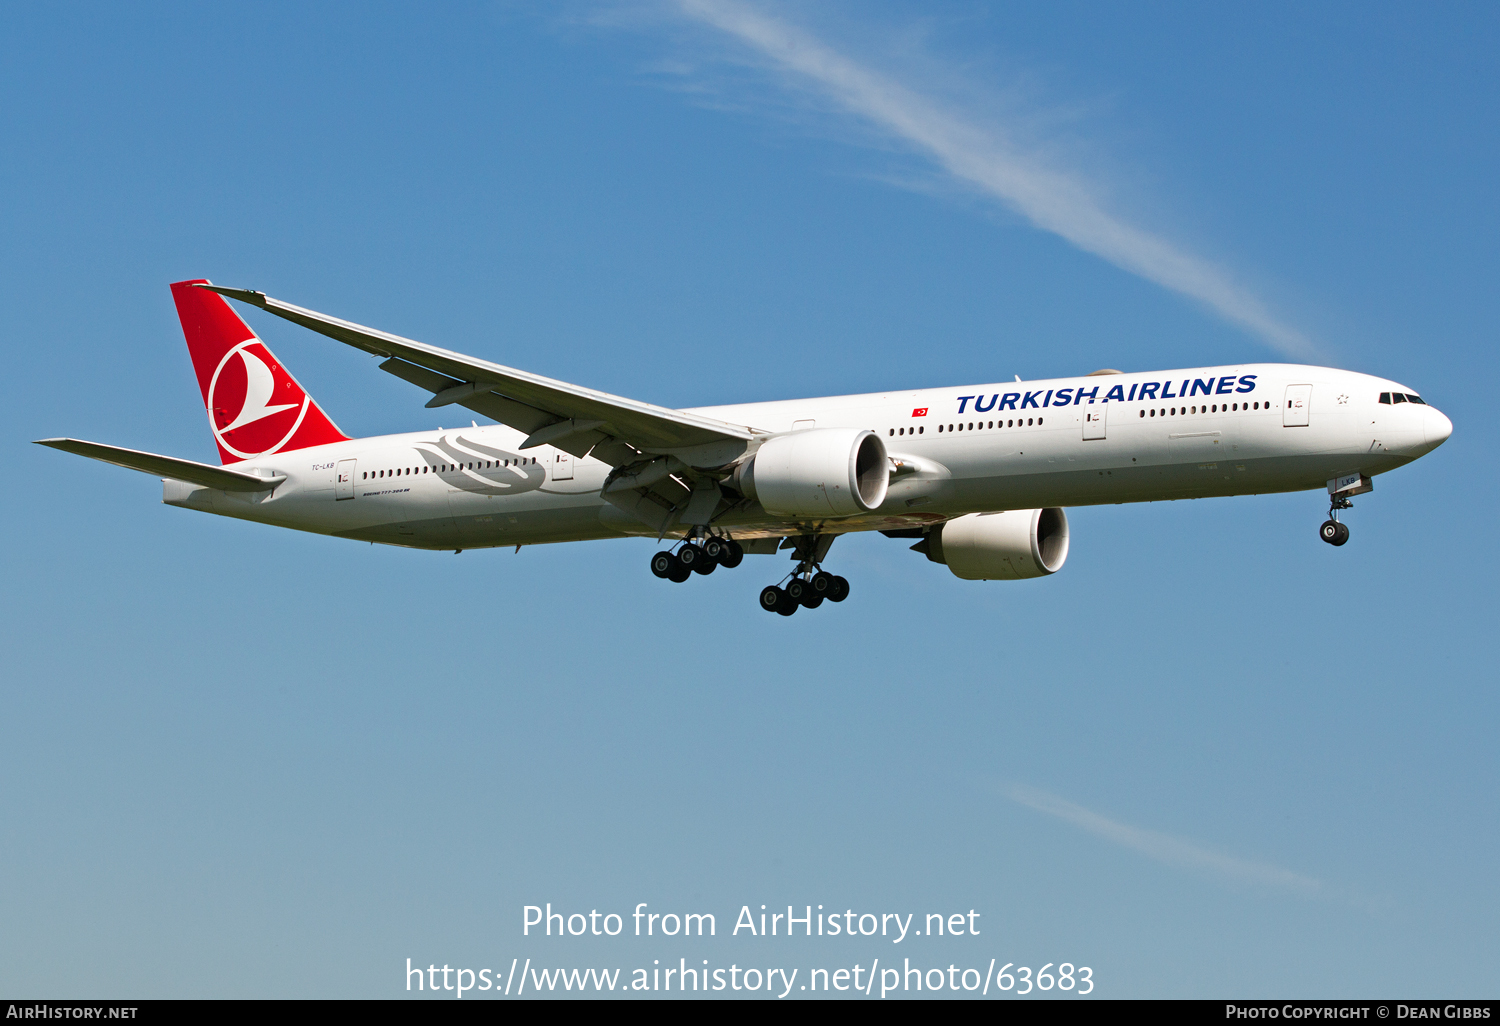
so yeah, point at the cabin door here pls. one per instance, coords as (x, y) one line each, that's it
(1093, 422)
(1298, 403)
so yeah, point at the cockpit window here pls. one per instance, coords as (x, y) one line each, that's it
(1385, 397)
(1414, 399)
(1397, 397)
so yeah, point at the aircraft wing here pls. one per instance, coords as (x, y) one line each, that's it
(167, 466)
(575, 419)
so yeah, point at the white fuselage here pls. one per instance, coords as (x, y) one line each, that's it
(1234, 430)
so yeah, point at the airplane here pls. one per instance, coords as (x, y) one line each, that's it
(979, 476)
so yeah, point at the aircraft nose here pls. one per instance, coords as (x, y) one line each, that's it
(1436, 426)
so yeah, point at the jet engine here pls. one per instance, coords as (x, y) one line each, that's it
(1008, 546)
(817, 473)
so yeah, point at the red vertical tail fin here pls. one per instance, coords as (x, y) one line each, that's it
(255, 407)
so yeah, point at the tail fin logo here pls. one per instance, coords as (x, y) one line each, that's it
(242, 408)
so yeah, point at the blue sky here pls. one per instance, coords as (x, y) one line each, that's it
(1211, 757)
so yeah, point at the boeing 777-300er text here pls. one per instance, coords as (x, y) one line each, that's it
(979, 475)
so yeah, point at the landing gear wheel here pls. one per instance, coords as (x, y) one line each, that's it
(678, 574)
(1333, 532)
(822, 584)
(774, 600)
(811, 599)
(704, 566)
(714, 549)
(796, 589)
(839, 591)
(732, 553)
(689, 557)
(662, 564)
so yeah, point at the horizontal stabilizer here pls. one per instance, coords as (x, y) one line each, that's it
(167, 466)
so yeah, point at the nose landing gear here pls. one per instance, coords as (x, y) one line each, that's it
(1340, 489)
(1333, 532)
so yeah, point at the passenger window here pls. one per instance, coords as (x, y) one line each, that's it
(1039, 421)
(1143, 413)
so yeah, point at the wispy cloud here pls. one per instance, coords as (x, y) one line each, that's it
(1161, 847)
(983, 156)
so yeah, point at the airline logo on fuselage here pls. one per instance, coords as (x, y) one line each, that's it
(242, 407)
(1151, 391)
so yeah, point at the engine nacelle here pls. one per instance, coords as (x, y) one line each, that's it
(1008, 546)
(817, 473)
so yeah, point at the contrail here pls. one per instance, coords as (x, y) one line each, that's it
(1161, 847)
(984, 158)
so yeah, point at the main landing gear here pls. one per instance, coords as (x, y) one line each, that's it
(1333, 532)
(807, 586)
(697, 556)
